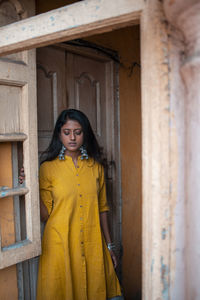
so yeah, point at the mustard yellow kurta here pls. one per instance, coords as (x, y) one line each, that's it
(75, 263)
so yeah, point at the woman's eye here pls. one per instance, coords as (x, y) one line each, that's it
(66, 133)
(78, 132)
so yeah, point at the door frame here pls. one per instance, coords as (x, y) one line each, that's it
(159, 151)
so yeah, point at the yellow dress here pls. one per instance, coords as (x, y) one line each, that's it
(75, 263)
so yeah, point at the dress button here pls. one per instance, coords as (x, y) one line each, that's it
(77, 166)
(76, 174)
(80, 195)
(78, 184)
(81, 205)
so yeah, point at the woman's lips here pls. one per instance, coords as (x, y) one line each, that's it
(72, 144)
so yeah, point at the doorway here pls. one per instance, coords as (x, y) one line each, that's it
(156, 126)
(126, 42)
(64, 75)
(127, 93)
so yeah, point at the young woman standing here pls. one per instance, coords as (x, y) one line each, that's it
(77, 261)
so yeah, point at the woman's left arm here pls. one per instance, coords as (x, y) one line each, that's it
(105, 229)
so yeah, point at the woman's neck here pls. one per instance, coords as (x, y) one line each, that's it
(73, 155)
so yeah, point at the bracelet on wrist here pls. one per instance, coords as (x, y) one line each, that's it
(111, 246)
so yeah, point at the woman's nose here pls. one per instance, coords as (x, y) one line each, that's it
(72, 136)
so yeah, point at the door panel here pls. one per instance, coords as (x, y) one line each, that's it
(86, 91)
(51, 91)
(88, 98)
(18, 119)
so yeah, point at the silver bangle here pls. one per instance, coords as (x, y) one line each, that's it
(111, 246)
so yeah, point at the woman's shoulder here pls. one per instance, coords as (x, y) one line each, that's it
(95, 165)
(47, 170)
(47, 165)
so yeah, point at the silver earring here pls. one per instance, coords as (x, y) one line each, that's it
(84, 154)
(62, 153)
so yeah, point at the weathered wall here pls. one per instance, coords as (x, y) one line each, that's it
(183, 18)
(8, 278)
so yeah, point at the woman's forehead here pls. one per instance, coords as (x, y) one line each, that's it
(72, 124)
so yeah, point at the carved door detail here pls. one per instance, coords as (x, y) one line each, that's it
(51, 94)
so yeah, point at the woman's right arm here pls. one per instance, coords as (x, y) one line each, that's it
(43, 210)
(46, 200)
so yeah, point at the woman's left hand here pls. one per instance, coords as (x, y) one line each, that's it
(114, 258)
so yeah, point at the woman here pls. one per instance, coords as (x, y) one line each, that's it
(77, 261)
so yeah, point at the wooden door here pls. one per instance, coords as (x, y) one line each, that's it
(19, 205)
(85, 80)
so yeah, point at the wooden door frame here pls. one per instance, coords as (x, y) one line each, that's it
(159, 155)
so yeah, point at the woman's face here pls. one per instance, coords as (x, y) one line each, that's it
(71, 136)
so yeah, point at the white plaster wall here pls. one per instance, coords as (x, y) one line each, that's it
(184, 79)
(177, 104)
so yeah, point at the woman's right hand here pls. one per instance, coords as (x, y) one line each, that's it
(21, 176)
(43, 210)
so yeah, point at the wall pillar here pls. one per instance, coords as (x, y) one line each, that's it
(158, 183)
(185, 16)
(190, 24)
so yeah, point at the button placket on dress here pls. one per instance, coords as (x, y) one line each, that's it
(81, 209)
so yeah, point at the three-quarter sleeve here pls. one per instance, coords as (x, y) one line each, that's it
(45, 188)
(103, 204)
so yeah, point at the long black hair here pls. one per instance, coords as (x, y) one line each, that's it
(89, 139)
